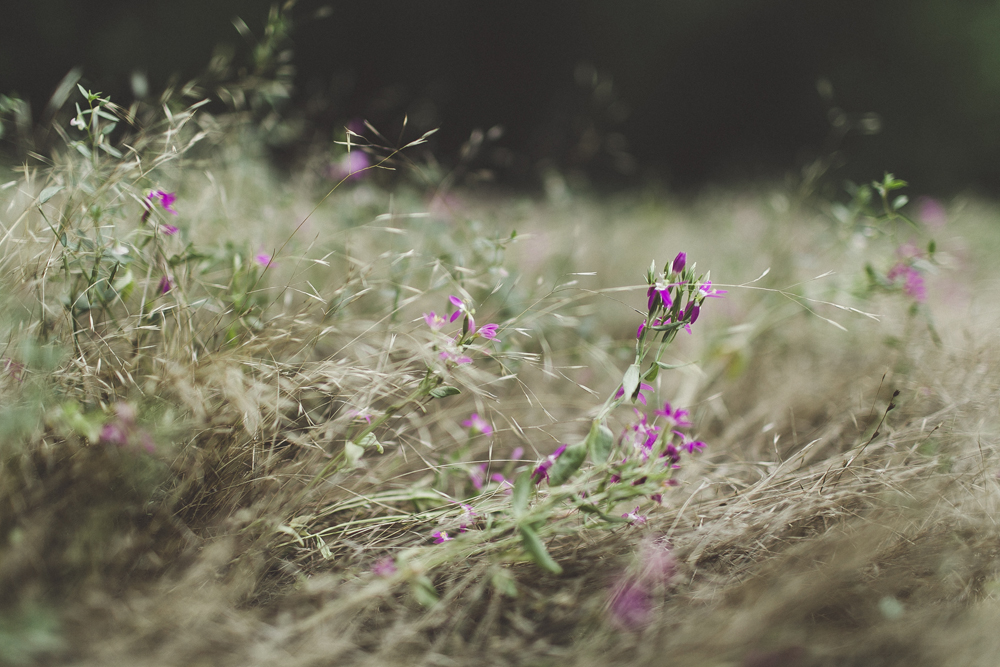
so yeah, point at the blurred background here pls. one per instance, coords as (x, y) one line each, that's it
(680, 94)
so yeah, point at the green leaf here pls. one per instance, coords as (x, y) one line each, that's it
(504, 583)
(352, 453)
(651, 374)
(424, 591)
(533, 546)
(369, 440)
(899, 202)
(568, 463)
(931, 247)
(48, 193)
(631, 381)
(522, 494)
(443, 391)
(599, 441)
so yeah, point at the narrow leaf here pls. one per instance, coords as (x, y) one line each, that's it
(441, 392)
(533, 546)
(522, 493)
(599, 441)
(48, 193)
(631, 380)
(568, 463)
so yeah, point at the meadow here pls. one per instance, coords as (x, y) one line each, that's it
(357, 415)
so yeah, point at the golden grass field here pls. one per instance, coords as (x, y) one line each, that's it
(228, 523)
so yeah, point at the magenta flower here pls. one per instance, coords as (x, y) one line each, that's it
(123, 430)
(166, 199)
(707, 291)
(658, 294)
(354, 165)
(434, 321)
(263, 259)
(679, 261)
(169, 230)
(361, 415)
(488, 331)
(692, 445)
(478, 476)
(675, 418)
(457, 358)
(477, 424)
(913, 282)
(542, 471)
(458, 303)
(517, 453)
(441, 536)
(631, 605)
(165, 285)
(384, 567)
(467, 518)
(634, 517)
(931, 212)
(642, 387)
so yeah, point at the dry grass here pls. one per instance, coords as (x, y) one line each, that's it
(800, 538)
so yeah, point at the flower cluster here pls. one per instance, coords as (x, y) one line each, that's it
(659, 440)
(674, 298)
(454, 353)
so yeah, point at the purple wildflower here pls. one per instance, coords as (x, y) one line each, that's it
(692, 445)
(455, 357)
(478, 476)
(631, 604)
(263, 259)
(166, 199)
(675, 417)
(642, 387)
(634, 517)
(542, 471)
(488, 331)
(931, 212)
(467, 518)
(361, 415)
(123, 431)
(169, 230)
(165, 285)
(477, 424)
(658, 294)
(384, 567)
(913, 282)
(434, 321)
(517, 453)
(679, 261)
(672, 454)
(354, 165)
(441, 536)
(707, 291)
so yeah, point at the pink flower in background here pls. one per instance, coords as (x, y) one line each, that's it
(169, 230)
(354, 165)
(477, 424)
(631, 605)
(913, 282)
(166, 199)
(384, 567)
(434, 321)
(441, 536)
(467, 518)
(165, 285)
(263, 259)
(123, 430)
(931, 212)
(631, 599)
(478, 476)
(457, 358)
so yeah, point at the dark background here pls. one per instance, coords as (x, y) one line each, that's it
(679, 92)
